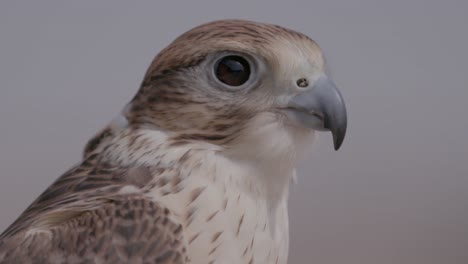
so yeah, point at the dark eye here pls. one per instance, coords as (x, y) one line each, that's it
(232, 70)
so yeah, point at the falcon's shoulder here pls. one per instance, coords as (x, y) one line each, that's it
(123, 230)
(84, 217)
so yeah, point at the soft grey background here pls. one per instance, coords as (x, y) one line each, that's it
(397, 192)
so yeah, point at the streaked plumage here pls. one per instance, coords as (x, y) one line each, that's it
(192, 170)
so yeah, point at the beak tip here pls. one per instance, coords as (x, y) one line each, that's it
(338, 138)
(337, 146)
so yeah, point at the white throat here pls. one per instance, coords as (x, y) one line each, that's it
(261, 160)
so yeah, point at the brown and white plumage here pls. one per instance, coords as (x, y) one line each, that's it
(192, 170)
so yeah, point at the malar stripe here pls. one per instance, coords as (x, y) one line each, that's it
(212, 137)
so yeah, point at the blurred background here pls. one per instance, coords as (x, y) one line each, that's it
(396, 192)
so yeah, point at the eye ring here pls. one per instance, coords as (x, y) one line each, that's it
(232, 70)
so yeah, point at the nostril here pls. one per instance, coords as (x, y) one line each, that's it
(302, 82)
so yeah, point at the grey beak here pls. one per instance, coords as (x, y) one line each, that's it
(322, 108)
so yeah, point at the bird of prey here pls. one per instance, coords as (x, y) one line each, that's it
(196, 168)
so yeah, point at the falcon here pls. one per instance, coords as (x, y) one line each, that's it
(196, 168)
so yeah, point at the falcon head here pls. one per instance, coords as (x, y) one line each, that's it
(240, 85)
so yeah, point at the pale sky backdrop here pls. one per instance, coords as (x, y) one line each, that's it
(397, 191)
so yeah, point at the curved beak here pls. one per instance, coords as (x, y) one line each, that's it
(322, 108)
